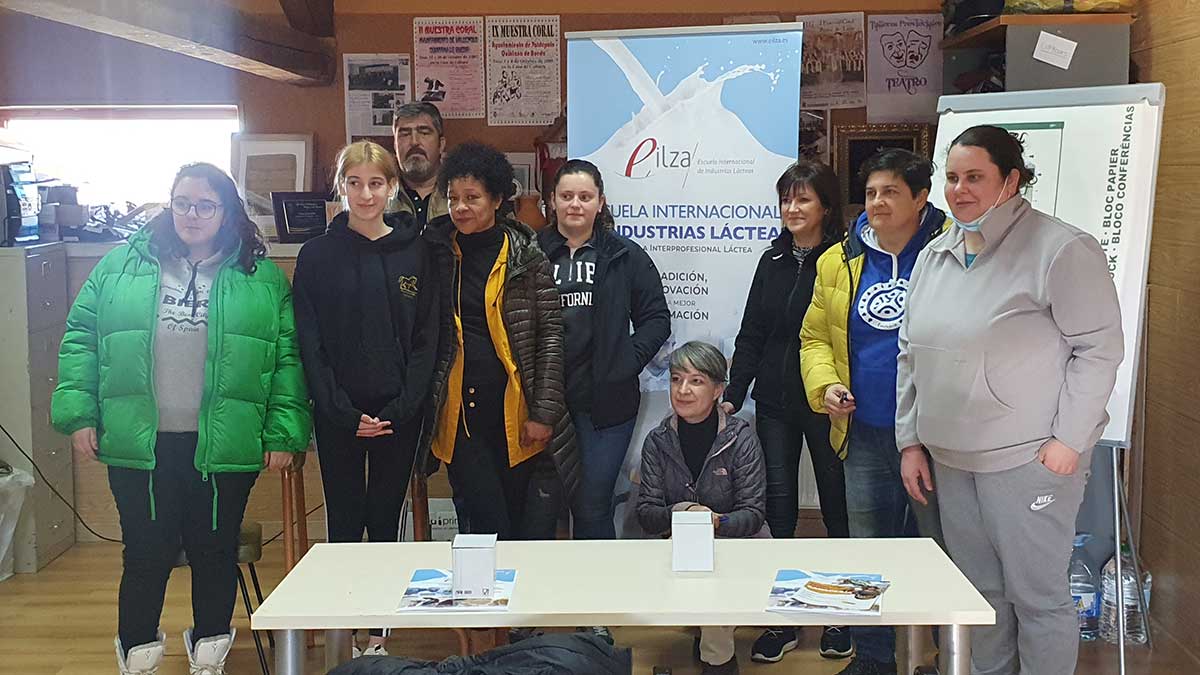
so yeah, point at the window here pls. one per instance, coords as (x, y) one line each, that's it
(118, 155)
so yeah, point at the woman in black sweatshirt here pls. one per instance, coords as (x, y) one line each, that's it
(615, 319)
(365, 299)
(767, 353)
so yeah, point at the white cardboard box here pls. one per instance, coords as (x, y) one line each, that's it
(691, 541)
(474, 565)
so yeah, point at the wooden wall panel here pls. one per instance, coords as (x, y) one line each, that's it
(1158, 23)
(1175, 594)
(1166, 43)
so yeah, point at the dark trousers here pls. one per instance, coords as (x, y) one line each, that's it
(184, 505)
(602, 452)
(519, 502)
(880, 507)
(365, 480)
(781, 436)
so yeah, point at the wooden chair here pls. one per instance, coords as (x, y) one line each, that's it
(295, 520)
(295, 523)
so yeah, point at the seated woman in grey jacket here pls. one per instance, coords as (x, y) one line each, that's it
(700, 459)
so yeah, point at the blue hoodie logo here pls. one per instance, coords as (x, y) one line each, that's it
(881, 306)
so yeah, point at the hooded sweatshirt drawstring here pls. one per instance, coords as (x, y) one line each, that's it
(150, 489)
(190, 293)
(214, 504)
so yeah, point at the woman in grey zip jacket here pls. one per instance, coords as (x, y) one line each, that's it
(701, 459)
(1008, 354)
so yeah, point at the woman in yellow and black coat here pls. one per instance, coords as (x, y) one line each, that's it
(497, 417)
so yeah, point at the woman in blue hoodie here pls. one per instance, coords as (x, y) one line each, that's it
(848, 350)
(364, 297)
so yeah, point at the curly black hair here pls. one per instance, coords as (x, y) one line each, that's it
(237, 231)
(482, 162)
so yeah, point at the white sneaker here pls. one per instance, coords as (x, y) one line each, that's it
(355, 652)
(142, 659)
(376, 650)
(207, 657)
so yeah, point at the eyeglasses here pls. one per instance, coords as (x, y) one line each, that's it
(205, 209)
(422, 132)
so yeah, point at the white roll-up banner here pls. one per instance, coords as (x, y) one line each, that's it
(690, 128)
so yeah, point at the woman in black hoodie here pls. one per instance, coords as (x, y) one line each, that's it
(767, 353)
(366, 317)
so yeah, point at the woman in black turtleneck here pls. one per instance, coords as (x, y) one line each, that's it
(365, 297)
(498, 419)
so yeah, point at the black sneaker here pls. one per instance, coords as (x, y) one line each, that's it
(773, 644)
(836, 643)
(861, 666)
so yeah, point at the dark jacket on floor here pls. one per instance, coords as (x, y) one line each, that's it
(553, 654)
(767, 350)
(732, 482)
(365, 315)
(535, 335)
(627, 291)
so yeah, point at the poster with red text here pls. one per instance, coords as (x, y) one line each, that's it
(448, 55)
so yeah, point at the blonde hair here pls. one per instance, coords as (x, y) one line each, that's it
(365, 152)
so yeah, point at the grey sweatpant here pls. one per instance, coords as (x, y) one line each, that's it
(1010, 533)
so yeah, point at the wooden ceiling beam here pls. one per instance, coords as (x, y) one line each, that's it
(209, 31)
(314, 17)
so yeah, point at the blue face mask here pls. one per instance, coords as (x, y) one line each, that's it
(974, 225)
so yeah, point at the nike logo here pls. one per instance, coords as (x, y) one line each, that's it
(1041, 502)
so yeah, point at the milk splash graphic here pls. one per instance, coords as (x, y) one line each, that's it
(686, 138)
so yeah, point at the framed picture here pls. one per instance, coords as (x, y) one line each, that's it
(854, 144)
(299, 216)
(523, 164)
(814, 135)
(266, 163)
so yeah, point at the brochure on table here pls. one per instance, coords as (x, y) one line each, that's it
(824, 592)
(432, 590)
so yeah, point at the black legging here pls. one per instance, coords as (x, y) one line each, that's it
(365, 480)
(182, 518)
(781, 436)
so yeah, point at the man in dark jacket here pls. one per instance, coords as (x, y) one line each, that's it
(419, 144)
(700, 459)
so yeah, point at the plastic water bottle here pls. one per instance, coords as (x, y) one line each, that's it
(1135, 627)
(1084, 592)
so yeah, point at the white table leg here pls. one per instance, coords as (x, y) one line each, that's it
(954, 657)
(289, 652)
(337, 648)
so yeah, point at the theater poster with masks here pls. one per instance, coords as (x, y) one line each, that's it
(690, 127)
(904, 67)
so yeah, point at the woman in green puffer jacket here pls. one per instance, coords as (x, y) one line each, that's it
(180, 371)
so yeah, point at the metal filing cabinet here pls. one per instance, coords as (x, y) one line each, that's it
(33, 315)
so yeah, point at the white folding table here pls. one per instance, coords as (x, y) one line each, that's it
(339, 587)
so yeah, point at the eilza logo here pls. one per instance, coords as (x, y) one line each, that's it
(654, 156)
